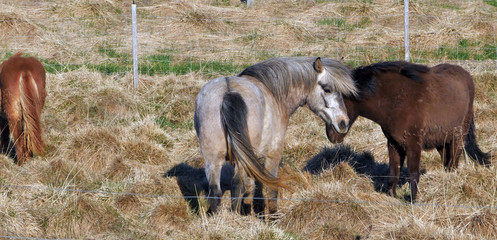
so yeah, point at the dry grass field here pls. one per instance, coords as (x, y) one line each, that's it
(108, 144)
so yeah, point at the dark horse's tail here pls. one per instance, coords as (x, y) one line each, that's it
(240, 150)
(472, 148)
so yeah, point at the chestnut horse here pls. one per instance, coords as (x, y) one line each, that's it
(418, 108)
(243, 119)
(22, 93)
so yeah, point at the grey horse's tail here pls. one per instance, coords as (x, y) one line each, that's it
(472, 148)
(240, 150)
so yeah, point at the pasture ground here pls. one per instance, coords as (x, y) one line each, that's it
(113, 143)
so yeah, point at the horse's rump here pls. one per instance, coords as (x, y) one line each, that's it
(239, 149)
(23, 96)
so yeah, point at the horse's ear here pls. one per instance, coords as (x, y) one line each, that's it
(318, 65)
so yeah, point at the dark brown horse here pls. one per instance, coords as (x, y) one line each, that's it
(418, 108)
(22, 94)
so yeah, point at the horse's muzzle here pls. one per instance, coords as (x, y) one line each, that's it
(334, 135)
(343, 126)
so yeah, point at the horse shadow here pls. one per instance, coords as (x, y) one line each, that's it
(362, 162)
(193, 182)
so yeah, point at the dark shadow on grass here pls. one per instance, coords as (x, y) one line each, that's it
(362, 162)
(193, 182)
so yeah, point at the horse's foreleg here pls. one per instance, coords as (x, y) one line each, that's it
(396, 158)
(413, 158)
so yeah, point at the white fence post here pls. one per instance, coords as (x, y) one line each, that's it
(135, 45)
(406, 29)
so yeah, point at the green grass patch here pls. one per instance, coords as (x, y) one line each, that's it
(163, 122)
(56, 67)
(151, 65)
(163, 64)
(447, 6)
(467, 50)
(112, 53)
(342, 24)
(491, 2)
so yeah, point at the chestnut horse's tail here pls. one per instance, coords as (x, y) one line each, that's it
(31, 105)
(472, 148)
(240, 150)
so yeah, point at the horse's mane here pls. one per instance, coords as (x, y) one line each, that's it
(364, 76)
(280, 74)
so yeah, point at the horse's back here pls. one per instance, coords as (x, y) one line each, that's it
(434, 104)
(451, 88)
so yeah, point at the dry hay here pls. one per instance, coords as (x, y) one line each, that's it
(13, 24)
(102, 135)
(79, 217)
(15, 217)
(172, 216)
(481, 223)
(411, 229)
(328, 213)
(118, 169)
(466, 186)
(88, 8)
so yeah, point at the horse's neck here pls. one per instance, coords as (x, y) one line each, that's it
(367, 108)
(289, 102)
(295, 98)
(352, 109)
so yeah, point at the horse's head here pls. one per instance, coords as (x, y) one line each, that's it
(326, 99)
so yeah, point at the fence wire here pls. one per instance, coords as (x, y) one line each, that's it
(199, 42)
(337, 201)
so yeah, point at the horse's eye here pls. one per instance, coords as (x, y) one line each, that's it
(325, 88)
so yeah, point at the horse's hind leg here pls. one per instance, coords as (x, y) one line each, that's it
(272, 165)
(213, 167)
(453, 151)
(16, 129)
(259, 203)
(457, 148)
(445, 152)
(413, 157)
(241, 192)
(4, 135)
